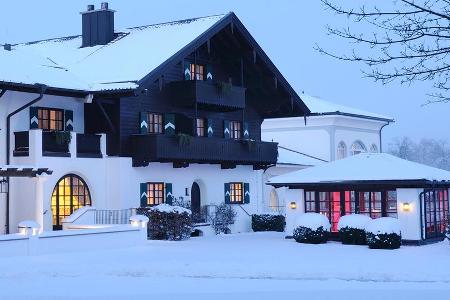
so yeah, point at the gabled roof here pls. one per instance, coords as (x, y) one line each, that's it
(135, 55)
(322, 107)
(364, 167)
(288, 156)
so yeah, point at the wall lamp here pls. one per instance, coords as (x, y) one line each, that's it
(406, 206)
(293, 205)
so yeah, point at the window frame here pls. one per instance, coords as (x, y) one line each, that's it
(40, 112)
(341, 150)
(235, 129)
(200, 129)
(354, 151)
(234, 192)
(152, 126)
(198, 71)
(153, 191)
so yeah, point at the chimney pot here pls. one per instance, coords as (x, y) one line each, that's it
(7, 47)
(104, 5)
(90, 7)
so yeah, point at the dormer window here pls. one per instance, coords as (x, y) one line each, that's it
(197, 72)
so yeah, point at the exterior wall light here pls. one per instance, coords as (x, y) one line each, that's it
(406, 207)
(139, 221)
(293, 205)
(29, 228)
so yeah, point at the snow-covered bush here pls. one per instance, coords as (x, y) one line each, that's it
(225, 216)
(352, 229)
(168, 222)
(383, 233)
(268, 222)
(312, 228)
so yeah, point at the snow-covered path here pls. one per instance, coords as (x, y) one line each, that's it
(259, 265)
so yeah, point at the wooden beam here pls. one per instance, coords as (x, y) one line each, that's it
(208, 45)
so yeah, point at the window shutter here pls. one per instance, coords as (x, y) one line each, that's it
(34, 119)
(246, 133)
(169, 195)
(226, 129)
(169, 124)
(209, 129)
(143, 125)
(209, 72)
(68, 116)
(187, 70)
(227, 193)
(143, 194)
(246, 192)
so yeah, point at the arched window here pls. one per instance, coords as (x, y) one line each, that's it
(341, 150)
(69, 194)
(274, 203)
(357, 148)
(373, 148)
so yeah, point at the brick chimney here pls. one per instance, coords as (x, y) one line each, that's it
(97, 25)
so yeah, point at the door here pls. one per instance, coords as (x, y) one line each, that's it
(196, 203)
(69, 194)
(435, 203)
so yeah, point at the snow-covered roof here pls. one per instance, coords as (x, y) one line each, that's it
(291, 157)
(319, 106)
(133, 54)
(369, 167)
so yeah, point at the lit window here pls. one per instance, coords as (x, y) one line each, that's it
(236, 193)
(155, 123)
(200, 127)
(155, 192)
(341, 151)
(197, 72)
(357, 148)
(235, 130)
(51, 119)
(373, 148)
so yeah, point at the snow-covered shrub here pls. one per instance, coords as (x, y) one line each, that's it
(168, 222)
(383, 233)
(312, 228)
(268, 222)
(352, 229)
(225, 216)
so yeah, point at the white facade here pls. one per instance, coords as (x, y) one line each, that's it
(112, 181)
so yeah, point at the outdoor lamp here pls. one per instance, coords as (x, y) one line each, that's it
(293, 205)
(406, 206)
(139, 221)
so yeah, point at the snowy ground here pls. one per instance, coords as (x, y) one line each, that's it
(254, 266)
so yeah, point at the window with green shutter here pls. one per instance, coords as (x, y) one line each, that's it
(246, 193)
(227, 192)
(169, 124)
(210, 129)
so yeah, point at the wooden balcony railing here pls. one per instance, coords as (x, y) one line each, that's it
(161, 148)
(207, 94)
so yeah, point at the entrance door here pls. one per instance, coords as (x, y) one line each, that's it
(195, 203)
(436, 212)
(69, 194)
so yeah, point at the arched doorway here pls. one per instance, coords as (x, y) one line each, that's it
(69, 194)
(196, 203)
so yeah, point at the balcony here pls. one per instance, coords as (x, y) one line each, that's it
(161, 148)
(40, 143)
(206, 94)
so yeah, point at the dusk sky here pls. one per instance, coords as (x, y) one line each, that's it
(286, 30)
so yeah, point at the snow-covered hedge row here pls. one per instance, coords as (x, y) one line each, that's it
(384, 233)
(312, 228)
(352, 229)
(168, 222)
(268, 222)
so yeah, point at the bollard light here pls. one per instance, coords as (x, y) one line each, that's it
(139, 221)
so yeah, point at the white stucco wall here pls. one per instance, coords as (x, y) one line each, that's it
(409, 220)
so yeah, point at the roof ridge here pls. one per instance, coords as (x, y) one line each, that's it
(189, 20)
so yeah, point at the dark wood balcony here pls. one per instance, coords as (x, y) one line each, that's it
(161, 148)
(56, 143)
(206, 94)
(88, 145)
